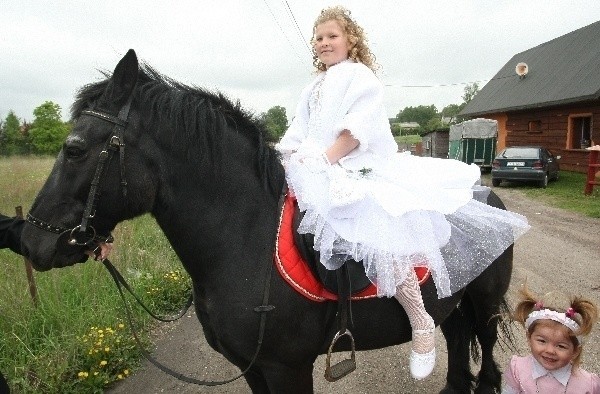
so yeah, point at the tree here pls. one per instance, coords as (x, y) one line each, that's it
(451, 111)
(48, 131)
(14, 135)
(421, 114)
(470, 91)
(275, 120)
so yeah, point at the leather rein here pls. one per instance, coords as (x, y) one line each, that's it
(85, 234)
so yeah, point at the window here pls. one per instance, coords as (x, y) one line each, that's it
(579, 135)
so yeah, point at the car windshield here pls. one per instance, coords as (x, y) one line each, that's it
(520, 153)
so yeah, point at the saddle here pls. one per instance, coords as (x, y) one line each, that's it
(298, 263)
(354, 281)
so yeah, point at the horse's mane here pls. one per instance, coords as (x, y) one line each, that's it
(198, 118)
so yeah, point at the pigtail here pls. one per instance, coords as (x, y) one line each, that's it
(588, 314)
(526, 305)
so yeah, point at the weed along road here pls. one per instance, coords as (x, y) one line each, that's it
(561, 251)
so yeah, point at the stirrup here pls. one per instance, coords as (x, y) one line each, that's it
(344, 367)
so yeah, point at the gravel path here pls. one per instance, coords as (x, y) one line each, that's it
(561, 251)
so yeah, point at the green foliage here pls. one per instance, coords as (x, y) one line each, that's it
(470, 91)
(566, 193)
(42, 349)
(48, 131)
(106, 354)
(421, 114)
(275, 120)
(451, 111)
(13, 136)
(396, 129)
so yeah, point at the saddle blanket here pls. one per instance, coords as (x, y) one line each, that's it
(296, 272)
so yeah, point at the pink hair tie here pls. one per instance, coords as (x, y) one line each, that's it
(538, 305)
(570, 312)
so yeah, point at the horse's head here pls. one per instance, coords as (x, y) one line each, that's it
(94, 177)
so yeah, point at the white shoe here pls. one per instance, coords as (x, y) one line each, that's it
(422, 364)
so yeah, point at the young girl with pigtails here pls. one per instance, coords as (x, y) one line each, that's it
(555, 327)
(364, 201)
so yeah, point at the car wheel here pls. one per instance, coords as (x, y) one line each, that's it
(496, 182)
(544, 182)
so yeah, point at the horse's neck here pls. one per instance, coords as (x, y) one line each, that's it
(228, 221)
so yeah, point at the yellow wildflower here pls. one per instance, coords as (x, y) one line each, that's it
(103, 363)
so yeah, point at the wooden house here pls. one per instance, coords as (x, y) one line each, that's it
(548, 95)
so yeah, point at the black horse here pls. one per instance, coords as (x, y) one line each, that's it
(204, 169)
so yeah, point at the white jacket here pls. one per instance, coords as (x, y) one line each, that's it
(350, 98)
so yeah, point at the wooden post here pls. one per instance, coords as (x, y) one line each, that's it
(593, 167)
(28, 267)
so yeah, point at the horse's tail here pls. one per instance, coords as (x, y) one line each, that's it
(461, 332)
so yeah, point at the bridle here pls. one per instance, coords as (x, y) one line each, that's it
(84, 234)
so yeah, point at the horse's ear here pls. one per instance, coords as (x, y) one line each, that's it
(123, 79)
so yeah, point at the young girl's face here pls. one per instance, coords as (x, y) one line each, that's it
(551, 346)
(331, 43)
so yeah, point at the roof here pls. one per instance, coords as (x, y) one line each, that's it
(561, 71)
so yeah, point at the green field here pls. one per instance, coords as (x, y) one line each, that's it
(75, 339)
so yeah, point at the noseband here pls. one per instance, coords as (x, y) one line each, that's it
(85, 234)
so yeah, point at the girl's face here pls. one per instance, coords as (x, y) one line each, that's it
(331, 43)
(551, 346)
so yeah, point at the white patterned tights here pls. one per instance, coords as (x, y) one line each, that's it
(409, 296)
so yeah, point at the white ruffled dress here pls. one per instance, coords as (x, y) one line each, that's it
(390, 210)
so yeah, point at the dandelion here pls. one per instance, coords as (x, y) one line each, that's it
(100, 331)
(119, 376)
(103, 363)
(107, 349)
(126, 372)
(121, 325)
(82, 375)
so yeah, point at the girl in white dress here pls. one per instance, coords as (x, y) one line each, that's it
(364, 201)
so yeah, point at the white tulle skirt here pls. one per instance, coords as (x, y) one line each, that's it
(410, 211)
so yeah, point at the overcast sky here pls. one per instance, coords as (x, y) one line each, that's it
(257, 51)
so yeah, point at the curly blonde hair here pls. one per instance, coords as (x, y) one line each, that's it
(585, 314)
(357, 37)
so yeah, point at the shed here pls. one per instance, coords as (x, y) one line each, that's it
(435, 143)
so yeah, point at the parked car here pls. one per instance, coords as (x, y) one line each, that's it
(525, 164)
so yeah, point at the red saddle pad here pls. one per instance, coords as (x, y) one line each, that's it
(297, 273)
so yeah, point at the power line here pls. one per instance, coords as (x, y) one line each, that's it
(298, 30)
(445, 85)
(283, 32)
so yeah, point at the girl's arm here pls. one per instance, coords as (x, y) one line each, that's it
(344, 144)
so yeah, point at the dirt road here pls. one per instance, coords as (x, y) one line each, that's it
(561, 251)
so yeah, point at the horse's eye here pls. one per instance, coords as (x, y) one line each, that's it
(73, 152)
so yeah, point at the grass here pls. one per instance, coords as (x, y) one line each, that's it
(408, 139)
(74, 340)
(566, 193)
